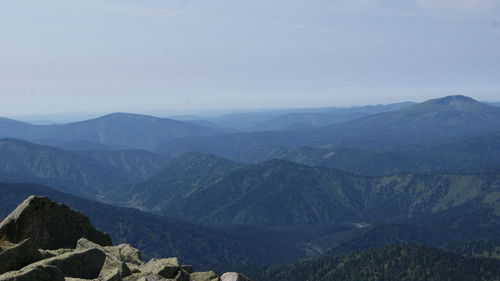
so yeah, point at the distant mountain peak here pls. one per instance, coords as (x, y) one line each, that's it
(457, 98)
(123, 115)
(458, 103)
(455, 101)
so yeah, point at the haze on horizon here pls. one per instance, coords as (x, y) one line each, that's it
(82, 56)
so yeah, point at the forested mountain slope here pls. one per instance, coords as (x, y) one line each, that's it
(390, 263)
(87, 174)
(158, 236)
(285, 193)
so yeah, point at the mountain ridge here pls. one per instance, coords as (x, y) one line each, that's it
(124, 130)
(423, 125)
(282, 193)
(158, 236)
(84, 174)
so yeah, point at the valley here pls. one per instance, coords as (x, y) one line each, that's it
(331, 186)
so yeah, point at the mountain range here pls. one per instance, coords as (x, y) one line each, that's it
(282, 193)
(431, 123)
(273, 120)
(86, 174)
(117, 130)
(401, 126)
(276, 187)
(472, 153)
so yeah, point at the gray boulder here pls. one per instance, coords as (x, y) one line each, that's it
(146, 276)
(54, 250)
(85, 244)
(54, 253)
(204, 276)
(19, 256)
(126, 253)
(78, 264)
(52, 226)
(123, 252)
(114, 273)
(36, 273)
(233, 276)
(114, 268)
(167, 268)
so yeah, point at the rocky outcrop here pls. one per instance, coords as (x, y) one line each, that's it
(167, 268)
(233, 276)
(52, 253)
(115, 255)
(161, 269)
(18, 256)
(115, 266)
(204, 276)
(39, 273)
(86, 264)
(50, 225)
(89, 257)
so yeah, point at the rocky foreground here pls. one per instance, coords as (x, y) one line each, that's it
(45, 241)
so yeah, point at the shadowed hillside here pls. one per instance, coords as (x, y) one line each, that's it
(158, 236)
(398, 263)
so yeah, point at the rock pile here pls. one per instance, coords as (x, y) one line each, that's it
(44, 241)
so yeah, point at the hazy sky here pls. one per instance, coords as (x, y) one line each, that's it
(59, 56)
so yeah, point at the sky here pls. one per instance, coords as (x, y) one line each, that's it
(81, 56)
